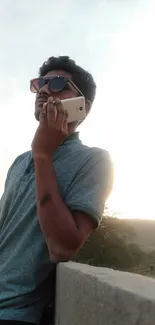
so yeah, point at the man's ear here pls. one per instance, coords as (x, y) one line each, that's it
(87, 106)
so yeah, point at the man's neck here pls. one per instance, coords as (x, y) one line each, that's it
(72, 128)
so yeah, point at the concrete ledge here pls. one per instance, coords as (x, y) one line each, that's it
(87, 295)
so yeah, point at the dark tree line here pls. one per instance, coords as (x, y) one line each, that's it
(110, 245)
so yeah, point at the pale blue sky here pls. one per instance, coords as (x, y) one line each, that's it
(115, 41)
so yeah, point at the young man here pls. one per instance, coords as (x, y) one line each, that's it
(54, 195)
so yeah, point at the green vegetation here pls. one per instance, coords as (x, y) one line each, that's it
(116, 244)
(145, 233)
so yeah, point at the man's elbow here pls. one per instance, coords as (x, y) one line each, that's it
(59, 258)
(62, 255)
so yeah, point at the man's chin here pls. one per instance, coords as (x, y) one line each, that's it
(36, 114)
(38, 110)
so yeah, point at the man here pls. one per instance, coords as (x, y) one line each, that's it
(54, 196)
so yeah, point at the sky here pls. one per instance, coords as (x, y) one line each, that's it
(115, 41)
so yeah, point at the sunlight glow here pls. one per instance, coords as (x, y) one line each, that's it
(127, 124)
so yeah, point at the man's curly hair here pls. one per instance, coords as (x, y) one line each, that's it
(82, 79)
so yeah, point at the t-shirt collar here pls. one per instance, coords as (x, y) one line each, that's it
(72, 136)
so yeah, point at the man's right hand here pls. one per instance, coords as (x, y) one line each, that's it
(52, 129)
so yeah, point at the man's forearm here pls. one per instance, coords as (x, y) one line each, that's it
(56, 221)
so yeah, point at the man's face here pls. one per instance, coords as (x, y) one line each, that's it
(44, 93)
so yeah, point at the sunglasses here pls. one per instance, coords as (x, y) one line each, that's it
(55, 84)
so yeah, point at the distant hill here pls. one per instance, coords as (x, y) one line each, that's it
(145, 233)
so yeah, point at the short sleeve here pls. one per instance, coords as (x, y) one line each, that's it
(7, 180)
(5, 185)
(91, 186)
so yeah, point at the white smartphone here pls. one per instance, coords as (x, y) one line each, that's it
(75, 108)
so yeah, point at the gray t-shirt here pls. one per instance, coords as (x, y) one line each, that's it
(84, 176)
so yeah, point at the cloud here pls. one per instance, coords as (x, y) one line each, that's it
(31, 31)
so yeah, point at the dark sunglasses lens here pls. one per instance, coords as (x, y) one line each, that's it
(41, 82)
(57, 84)
(36, 84)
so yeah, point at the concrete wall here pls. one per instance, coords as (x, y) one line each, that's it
(99, 296)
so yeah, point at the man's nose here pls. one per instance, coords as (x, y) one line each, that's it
(44, 91)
